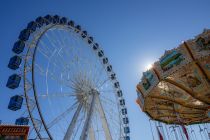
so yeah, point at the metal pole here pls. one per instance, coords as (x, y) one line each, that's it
(88, 119)
(91, 133)
(151, 129)
(176, 135)
(73, 122)
(167, 131)
(103, 119)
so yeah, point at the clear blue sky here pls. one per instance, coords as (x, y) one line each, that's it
(133, 34)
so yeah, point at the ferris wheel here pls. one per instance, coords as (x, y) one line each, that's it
(70, 89)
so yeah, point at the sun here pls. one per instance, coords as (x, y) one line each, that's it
(149, 66)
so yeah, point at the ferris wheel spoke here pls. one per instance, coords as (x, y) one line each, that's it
(41, 70)
(60, 65)
(43, 53)
(67, 47)
(55, 45)
(62, 115)
(79, 52)
(71, 127)
(110, 115)
(60, 81)
(102, 83)
(55, 95)
(107, 91)
(45, 47)
(99, 75)
(48, 72)
(63, 46)
(107, 100)
(52, 39)
(62, 39)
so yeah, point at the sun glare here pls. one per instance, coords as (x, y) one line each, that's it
(149, 66)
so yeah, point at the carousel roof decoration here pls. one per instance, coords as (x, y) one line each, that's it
(176, 90)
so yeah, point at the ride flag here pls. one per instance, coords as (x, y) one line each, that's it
(159, 134)
(185, 131)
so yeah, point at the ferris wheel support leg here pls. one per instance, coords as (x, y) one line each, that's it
(91, 133)
(73, 123)
(103, 119)
(88, 119)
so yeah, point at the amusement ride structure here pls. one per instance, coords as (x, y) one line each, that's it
(67, 87)
(176, 91)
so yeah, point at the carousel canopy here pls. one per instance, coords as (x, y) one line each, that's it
(176, 90)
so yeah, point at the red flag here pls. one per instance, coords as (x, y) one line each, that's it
(159, 134)
(185, 132)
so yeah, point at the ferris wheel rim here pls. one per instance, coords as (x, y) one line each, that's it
(25, 92)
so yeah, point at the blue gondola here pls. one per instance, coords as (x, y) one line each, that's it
(40, 21)
(100, 53)
(105, 60)
(15, 103)
(78, 27)
(124, 111)
(90, 40)
(113, 76)
(119, 93)
(125, 120)
(63, 20)
(24, 34)
(22, 121)
(116, 85)
(48, 19)
(109, 68)
(84, 34)
(126, 130)
(95, 46)
(122, 102)
(14, 62)
(71, 23)
(32, 26)
(56, 19)
(18, 47)
(126, 138)
(13, 81)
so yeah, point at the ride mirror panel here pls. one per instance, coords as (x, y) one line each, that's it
(148, 82)
(171, 61)
(200, 46)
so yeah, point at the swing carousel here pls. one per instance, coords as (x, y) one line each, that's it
(175, 91)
